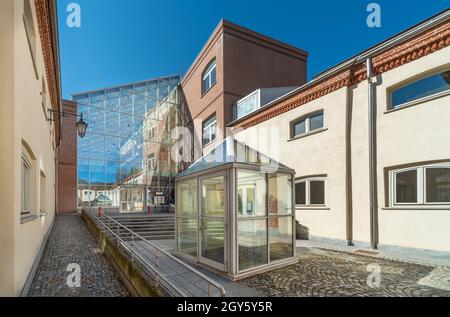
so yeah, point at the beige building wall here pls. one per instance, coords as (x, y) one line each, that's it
(25, 126)
(408, 136)
(321, 153)
(415, 135)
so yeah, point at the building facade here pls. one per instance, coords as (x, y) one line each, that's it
(367, 140)
(29, 88)
(233, 63)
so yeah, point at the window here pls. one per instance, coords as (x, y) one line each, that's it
(30, 30)
(26, 185)
(310, 192)
(151, 162)
(246, 106)
(423, 185)
(307, 124)
(209, 130)
(151, 133)
(421, 88)
(209, 77)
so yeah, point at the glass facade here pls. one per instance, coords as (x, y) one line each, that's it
(124, 161)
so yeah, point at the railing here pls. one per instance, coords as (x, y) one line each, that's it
(159, 258)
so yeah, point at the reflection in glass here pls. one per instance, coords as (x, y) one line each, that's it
(252, 243)
(251, 193)
(187, 197)
(187, 236)
(421, 88)
(438, 185)
(213, 197)
(406, 187)
(280, 235)
(300, 193)
(316, 122)
(300, 127)
(213, 240)
(115, 149)
(317, 192)
(280, 194)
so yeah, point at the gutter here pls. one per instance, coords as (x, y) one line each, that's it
(55, 35)
(372, 155)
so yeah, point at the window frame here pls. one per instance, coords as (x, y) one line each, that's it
(25, 207)
(412, 80)
(307, 182)
(206, 75)
(421, 186)
(209, 128)
(307, 119)
(151, 158)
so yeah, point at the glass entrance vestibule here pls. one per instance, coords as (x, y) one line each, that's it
(234, 211)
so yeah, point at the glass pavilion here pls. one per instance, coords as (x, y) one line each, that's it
(234, 211)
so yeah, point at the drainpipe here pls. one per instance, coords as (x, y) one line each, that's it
(372, 153)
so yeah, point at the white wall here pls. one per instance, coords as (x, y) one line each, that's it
(22, 240)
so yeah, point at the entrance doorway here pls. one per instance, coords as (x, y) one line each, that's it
(212, 221)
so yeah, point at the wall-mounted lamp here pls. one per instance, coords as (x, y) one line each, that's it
(81, 124)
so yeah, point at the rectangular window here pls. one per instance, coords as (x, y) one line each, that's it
(421, 88)
(26, 186)
(209, 77)
(151, 162)
(307, 124)
(406, 187)
(422, 185)
(310, 192)
(209, 130)
(438, 185)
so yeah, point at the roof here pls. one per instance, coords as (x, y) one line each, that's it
(228, 27)
(232, 151)
(434, 29)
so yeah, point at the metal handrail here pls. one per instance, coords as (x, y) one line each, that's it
(160, 251)
(134, 253)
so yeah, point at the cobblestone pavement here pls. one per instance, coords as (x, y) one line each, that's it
(322, 273)
(71, 242)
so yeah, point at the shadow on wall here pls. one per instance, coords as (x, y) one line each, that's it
(302, 232)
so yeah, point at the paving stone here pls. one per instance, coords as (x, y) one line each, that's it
(71, 242)
(336, 274)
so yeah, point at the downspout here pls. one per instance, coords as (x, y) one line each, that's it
(372, 153)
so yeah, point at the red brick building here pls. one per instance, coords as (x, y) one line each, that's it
(67, 161)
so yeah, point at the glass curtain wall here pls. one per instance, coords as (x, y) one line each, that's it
(124, 160)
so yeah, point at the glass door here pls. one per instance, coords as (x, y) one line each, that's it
(212, 221)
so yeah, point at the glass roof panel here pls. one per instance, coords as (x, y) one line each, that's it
(233, 151)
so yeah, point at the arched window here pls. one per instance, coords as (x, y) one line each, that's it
(209, 76)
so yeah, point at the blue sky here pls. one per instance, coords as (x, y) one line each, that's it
(123, 41)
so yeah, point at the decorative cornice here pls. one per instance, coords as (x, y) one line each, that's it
(422, 45)
(51, 69)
